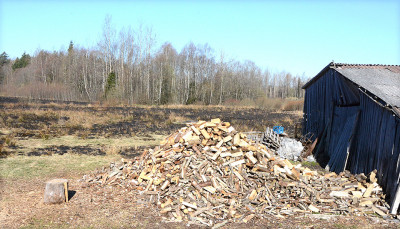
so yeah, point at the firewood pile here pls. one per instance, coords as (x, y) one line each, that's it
(208, 173)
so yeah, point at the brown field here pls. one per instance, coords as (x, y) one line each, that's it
(42, 140)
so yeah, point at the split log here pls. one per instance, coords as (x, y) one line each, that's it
(56, 191)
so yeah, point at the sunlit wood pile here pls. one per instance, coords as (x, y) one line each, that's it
(209, 173)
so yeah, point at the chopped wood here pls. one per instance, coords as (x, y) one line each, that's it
(237, 154)
(236, 163)
(372, 177)
(195, 130)
(205, 134)
(339, 194)
(248, 218)
(219, 144)
(236, 139)
(165, 210)
(249, 156)
(165, 185)
(189, 205)
(227, 138)
(253, 195)
(313, 208)
(356, 194)
(208, 171)
(378, 211)
(168, 202)
(238, 175)
(216, 120)
(366, 203)
(367, 192)
(210, 189)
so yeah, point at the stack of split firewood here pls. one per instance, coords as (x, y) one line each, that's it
(208, 173)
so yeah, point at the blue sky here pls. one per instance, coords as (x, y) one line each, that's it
(295, 36)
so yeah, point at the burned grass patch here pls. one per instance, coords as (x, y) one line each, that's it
(49, 120)
(61, 150)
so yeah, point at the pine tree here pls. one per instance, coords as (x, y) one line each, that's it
(22, 62)
(111, 82)
(166, 94)
(4, 59)
(70, 48)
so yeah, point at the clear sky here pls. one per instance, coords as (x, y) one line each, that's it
(296, 36)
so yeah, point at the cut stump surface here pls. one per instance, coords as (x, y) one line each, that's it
(56, 191)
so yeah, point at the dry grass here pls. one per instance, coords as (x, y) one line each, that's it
(273, 104)
(26, 113)
(190, 106)
(174, 118)
(293, 105)
(76, 118)
(88, 119)
(111, 144)
(26, 167)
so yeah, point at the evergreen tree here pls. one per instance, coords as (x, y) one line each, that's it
(192, 94)
(3, 61)
(111, 82)
(22, 62)
(166, 93)
(70, 48)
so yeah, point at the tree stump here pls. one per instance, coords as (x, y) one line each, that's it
(56, 191)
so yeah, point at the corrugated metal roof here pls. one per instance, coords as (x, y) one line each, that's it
(380, 80)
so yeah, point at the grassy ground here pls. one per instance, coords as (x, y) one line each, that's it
(22, 181)
(71, 140)
(113, 143)
(48, 129)
(28, 167)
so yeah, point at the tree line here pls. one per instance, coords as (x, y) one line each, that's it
(128, 67)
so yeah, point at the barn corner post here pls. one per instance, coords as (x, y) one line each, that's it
(394, 205)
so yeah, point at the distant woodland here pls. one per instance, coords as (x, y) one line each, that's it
(128, 67)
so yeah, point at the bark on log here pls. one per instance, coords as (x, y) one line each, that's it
(56, 191)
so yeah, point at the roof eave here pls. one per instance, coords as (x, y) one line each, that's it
(315, 78)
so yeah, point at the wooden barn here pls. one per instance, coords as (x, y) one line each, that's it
(353, 113)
